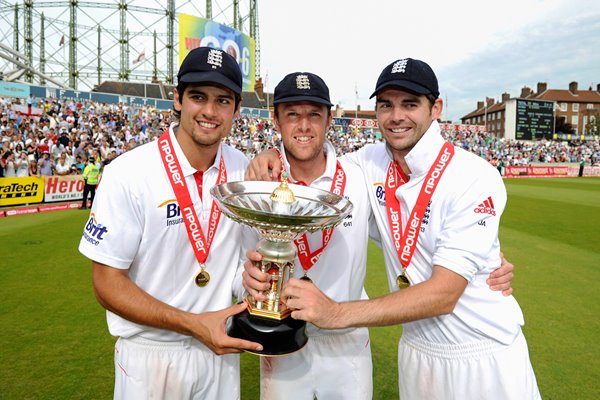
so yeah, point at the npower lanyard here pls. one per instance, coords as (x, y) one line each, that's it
(406, 243)
(306, 257)
(200, 243)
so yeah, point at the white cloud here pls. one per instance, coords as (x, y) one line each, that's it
(476, 51)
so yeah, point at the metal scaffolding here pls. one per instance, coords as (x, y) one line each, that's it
(80, 44)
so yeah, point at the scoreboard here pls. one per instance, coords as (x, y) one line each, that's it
(534, 119)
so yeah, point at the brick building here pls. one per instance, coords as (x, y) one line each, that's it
(579, 108)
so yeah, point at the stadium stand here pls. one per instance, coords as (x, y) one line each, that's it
(73, 131)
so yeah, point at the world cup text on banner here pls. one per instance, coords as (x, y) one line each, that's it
(199, 32)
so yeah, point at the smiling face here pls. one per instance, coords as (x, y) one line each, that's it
(404, 118)
(207, 114)
(303, 126)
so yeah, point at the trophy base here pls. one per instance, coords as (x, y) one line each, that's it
(277, 337)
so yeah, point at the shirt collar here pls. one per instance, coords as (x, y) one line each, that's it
(423, 155)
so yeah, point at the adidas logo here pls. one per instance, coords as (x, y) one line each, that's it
(487, 207)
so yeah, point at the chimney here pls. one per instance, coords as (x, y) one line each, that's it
(598, 88)
(490, 102)
(505, 97)
(479, 105)
(541, 87)
(525, 92)
(258, 88)
(573, 87)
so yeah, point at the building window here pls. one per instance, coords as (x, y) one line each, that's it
(574, 120)
(575, 107)
(563, 107)
(590, 106)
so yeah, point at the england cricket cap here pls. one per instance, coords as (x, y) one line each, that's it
(302, 86)
(414, 76)
(208, 65)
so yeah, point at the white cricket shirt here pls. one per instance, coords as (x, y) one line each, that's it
(459, 232)
(340, 271)
(135, 224)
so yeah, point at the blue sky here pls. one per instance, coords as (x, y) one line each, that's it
(476, 50)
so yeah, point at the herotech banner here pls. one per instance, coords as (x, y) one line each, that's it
(199, 32)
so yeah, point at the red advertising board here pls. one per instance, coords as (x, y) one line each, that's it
(539, 171)
(63, 188)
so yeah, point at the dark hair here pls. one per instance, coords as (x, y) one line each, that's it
(182, 86)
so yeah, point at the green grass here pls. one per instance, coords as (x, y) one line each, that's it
(55, 344)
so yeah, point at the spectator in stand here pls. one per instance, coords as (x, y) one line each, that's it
(34, 169)
(62, 168)
(69, 154)
(8, 164)
(43, 146)
(79, 164)
(46, 164)
(22, 165)
(63, 139)
(80, 150)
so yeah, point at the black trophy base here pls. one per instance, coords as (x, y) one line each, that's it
(277, 337)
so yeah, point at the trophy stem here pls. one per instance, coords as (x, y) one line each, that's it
(280, 213)
(269, 322)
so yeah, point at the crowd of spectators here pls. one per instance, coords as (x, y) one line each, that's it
(518, 153)
(69, 133)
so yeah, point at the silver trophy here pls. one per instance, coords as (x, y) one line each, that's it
(280, 213)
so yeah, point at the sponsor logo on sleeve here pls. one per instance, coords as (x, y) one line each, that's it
(94, 232)
(486, 207)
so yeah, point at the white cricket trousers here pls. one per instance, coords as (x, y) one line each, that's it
(329, 367)
(485, 370)
(187, 369)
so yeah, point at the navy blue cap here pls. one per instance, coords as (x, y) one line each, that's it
(205, 64)
(414, 76)
(302, 86)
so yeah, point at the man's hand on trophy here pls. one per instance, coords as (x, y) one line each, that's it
(253, 279)
(310, 304)
(209, 328)
(264, 167)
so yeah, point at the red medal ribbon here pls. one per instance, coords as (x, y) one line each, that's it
(407, 243)
(200, 244)
(338, 186)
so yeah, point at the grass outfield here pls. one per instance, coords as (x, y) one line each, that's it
(55, 345)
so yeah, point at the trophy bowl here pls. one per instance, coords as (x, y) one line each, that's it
(280, 213)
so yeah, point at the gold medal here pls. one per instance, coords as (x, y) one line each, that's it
(202, 278)
(402, 281)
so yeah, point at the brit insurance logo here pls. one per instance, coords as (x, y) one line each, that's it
(94, 232)
(379, 190)
(172, 212)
